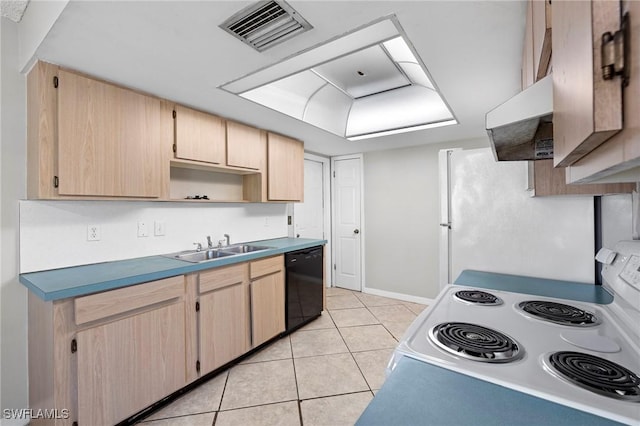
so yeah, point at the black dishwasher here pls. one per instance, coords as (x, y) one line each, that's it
(305, 270)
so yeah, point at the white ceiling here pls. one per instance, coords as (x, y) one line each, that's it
(175, 50)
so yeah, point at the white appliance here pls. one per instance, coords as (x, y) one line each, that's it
(602, 341)
(491, 223)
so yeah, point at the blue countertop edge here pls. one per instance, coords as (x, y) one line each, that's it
(56, 284)
(568, 290)
(418, 393)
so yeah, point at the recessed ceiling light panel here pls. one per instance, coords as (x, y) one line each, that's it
(371, 85)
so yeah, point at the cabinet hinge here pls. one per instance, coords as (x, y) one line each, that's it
(197, 306)
(198, 366)
(614, 52)
(74, 346)
(55, 81)
(174, 113)
(334, 266)
(56, 182)
(175, 148)
(334, 173)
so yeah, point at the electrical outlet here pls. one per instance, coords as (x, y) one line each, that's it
(159, 228)
(142, 229)
(93, 233)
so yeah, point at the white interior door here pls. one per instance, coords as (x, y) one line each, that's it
(312, 218)
(309, 215)
(347, 183)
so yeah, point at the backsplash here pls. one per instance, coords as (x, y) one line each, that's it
(54, 234)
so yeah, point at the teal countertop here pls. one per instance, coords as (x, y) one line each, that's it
(417, 393)
(568, 290)
(75, 281)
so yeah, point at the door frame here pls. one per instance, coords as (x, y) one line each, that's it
(327, 201)
(359, 157)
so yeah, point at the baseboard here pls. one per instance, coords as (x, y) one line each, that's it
(400, 296)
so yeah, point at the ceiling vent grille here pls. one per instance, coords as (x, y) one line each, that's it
(266, 24)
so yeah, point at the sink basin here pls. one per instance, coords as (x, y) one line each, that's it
(201, 256)
(195, 256)
(243, 248)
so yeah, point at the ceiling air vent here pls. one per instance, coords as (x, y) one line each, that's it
(266, 24)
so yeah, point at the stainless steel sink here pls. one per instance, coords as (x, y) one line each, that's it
(243, 248)
(197, 256)
(200, 256)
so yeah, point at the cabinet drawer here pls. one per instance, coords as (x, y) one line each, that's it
(266, 266)
(103, 305)
(223, 277)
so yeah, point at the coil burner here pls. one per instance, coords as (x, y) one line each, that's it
(477, 297)
(475, 342)
(596, 374)
(558, 313)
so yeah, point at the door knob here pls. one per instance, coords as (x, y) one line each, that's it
(356, 231)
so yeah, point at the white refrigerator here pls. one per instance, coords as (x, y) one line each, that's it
(490, 222)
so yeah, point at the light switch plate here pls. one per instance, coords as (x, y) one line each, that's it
(159, 228)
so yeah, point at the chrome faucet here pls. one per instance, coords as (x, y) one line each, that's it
(198, 246)
(209, 243)
(228, 239)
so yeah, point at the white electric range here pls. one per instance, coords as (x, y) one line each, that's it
(582, 355)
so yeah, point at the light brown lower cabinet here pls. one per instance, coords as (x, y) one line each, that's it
(267, 299)
(106, 356)
(223, 316)
(127, 365)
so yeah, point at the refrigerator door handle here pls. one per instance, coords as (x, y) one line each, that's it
(448, 225)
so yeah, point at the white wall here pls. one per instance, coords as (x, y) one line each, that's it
(401, 197)
(59, 229)
(617, 219)
(13, 300)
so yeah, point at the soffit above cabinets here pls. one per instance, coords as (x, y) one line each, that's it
(365, 84)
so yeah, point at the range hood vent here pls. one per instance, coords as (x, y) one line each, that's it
(521, 128)
(265, 24)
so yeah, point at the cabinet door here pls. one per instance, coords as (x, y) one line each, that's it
(224, 326)
(587, 110)
(285, 158)
(108, 140)
(267, 307)
(199, 136)
(126, 365)
(246, 146)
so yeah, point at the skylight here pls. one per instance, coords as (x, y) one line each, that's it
(365, 84)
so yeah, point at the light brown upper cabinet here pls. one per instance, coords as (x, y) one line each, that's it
(199, 136)
(285, 157)
(246, 146)
(618, 159)
(587, 109)
(89, 138)
(536, 55)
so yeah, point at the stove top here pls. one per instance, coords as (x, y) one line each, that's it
(475, 342)
(582, 355)
(477, 297)
(558, 313)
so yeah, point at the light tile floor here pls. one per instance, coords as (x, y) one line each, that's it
(323, 374)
